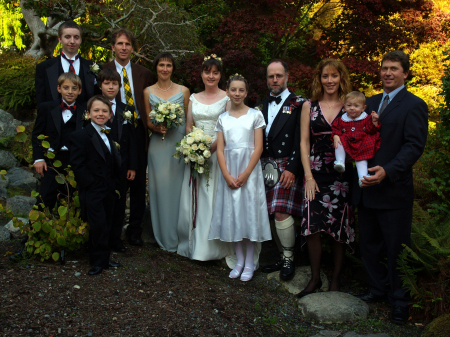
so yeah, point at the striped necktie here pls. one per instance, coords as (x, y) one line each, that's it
(71, 68)
(127, 88)
(384, 105)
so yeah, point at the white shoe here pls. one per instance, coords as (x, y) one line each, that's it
(360, 182)
(235, 273)
(339, 166)
(247, 274)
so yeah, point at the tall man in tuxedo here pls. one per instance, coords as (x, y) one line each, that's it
(282, 111)
(135, 79)
(385, 201)
(47, 72)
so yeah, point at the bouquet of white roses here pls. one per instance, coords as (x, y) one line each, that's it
(195, 149)
(169, 114)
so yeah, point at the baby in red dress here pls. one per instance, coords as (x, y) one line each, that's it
(357, 134)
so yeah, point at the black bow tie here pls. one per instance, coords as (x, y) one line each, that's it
(275, 99)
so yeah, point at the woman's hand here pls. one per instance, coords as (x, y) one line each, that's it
(311, 188)
(336, 141)
(213, 147)
(231, 182)
(160, 128)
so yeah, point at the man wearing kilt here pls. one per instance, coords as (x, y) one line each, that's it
(282, 111)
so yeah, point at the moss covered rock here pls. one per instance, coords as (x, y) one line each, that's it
(439, 327)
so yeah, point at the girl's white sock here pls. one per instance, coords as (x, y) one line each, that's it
(340, 153)
(361, 167)
(250, 249)
(236, 272)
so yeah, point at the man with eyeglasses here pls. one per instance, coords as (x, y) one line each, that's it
(282, 111)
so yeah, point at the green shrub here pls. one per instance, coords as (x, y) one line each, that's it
(17, 78)
(439, 327)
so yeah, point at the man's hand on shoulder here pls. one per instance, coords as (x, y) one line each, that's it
(379, 175)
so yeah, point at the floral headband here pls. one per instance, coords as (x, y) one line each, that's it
(212, 56)
(236, 75)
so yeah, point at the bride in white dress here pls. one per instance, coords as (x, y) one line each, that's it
(203, 111)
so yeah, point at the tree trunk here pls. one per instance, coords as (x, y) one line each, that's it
(44, 42)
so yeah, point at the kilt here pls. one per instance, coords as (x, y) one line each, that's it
(288, 201)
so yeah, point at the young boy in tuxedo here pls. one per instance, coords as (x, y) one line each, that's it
(57, 120)
(96, 164)
(122, 133)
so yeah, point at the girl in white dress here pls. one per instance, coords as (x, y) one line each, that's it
(240, 209)
(203, 111)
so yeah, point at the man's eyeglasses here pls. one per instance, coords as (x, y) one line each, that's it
(277, 77)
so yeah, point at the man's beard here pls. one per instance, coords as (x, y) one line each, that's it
(279, 91)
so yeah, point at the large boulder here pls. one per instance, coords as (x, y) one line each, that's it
(8, 127)
(7, 160)
(23, 179)
(333, 307)
(20, 205)
(4, 234)
(439, 327)
(4, 182)
(300, 280)
(3, 193)
(15, 231)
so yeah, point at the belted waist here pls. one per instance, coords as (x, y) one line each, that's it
(240, 145)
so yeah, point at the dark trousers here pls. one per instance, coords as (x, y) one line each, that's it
(119, 210)
(381, 235)
(99, 203)
(50, 188)
(138, 186)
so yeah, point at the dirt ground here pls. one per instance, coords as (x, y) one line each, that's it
(156, 293)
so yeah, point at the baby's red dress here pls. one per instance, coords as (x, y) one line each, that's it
(360, 139)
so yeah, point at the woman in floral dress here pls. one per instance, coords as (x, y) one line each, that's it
(327, 207)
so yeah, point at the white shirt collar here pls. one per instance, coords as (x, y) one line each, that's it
(98, 127)
(119, 66)
(346, 118)
(283, 95)
(68, 103)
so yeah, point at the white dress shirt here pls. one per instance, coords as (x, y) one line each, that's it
(102, 134)
(130, 79)
(274, 108)
(66, 65)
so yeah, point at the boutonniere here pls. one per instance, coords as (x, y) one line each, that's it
(94, 68)
(85, 116)
(259, 107)
(127, 116)
(287, 110)
(297, 101)
(117, 145)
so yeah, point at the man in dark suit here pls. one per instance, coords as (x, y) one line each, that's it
(135, 79)
(96, 165)
(122, 133)
(47, 72)
(281, 111)
(57, 120)
(385, 201)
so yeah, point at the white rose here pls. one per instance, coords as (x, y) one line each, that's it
(173, 108)
(200, 160)
(200, 170)
(198, 138)
(194, 147)
(186, 146)
(206, 154)
(186, 160)
(178, 148)
(202, 147)
(183, 141)
(193, 157)
(176, 155)
(95, 67)
(127, 114)
(180, 120)
(190, 140)
(185, 152)
(161, 108)
(152, 114)
(172, 116)
(159, 118)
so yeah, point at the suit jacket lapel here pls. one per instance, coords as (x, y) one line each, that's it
(53, 74)
(57, 118)
(95, 139)
(79, 117)
(393, 104)
(280, 119)
(118, 119)
(265, 110)
(89, 77)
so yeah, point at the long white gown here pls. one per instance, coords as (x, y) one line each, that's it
(193, 242)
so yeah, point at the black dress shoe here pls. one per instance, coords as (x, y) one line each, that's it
(273, 267)
(113, 264)
(119, 249)
(371, 298)
(399, 314)
(304, 293)
(95, 271)
(287, 270)
(135, 240)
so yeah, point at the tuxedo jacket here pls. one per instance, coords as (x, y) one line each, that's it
(46, 80)
(284, 135)
(89, 160)
(142, 78)
(49, 122)
(404, 129)
(123, 132)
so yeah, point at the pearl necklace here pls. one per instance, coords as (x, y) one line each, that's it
(165, 89)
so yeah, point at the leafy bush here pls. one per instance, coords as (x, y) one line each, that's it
(17, 71)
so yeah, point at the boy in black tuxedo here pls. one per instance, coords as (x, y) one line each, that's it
(47, 72)
(57, 120)
(122, 133)
(96, 164)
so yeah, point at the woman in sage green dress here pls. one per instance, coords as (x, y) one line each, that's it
(165, 173)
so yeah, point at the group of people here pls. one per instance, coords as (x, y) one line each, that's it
(309, 145)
